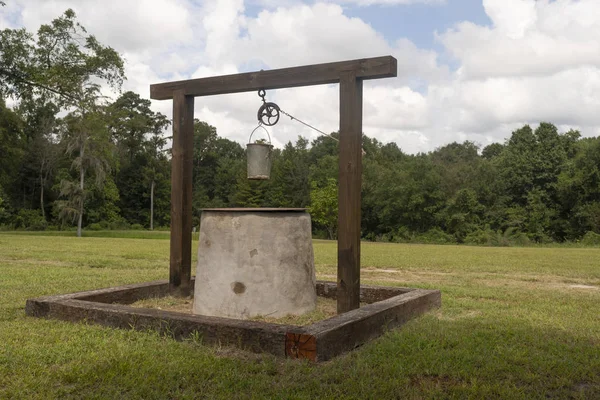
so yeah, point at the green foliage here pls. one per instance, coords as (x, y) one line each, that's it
(60, 68)
(591, 239)
(435, 236)
(95, 227)
(69, 158)
(324, 206)
(488, 237)
(2, 209)
(61, 62)
(30, 220)
(102, 202)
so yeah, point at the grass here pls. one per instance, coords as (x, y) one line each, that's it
(515, 323)
(124, 234)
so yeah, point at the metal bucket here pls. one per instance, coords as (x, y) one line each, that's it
(259, 159)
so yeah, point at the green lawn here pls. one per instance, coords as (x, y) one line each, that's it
(515, 323)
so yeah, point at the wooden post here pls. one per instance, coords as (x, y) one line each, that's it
(181, 194)
(350, 171)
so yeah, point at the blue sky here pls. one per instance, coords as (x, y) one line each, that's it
(419, 22)
(416, 22)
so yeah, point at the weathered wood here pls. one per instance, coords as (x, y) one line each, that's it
(347, 331)
(300, 346)
(350, 171)
(368, 294)
(317, 74)
(248, 335)
(318, 342)
(181, 194)
(125, 294)
(187, 213)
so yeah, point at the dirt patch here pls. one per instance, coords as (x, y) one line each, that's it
(537, 282)
(326, 308)
(398, 275)
(584, 287)
(169, 303)
(496, 280)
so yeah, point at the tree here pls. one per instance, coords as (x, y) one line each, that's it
(532, 162)
(578, 189)
(86, 138)
(42, 151)
(456, 164)
(139, 136)
(62, 62)
(157, 168)
(64, 65)
(132, 124)
(324, 206)
(218, 173)
(462, 214)
(289, 185)
(492, 150)
(11, 146)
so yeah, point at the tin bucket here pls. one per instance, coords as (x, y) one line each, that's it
(259, 159)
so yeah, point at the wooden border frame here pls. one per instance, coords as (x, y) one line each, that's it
(387, 307)
(350, 75)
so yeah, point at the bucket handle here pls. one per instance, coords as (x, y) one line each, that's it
(259, 126)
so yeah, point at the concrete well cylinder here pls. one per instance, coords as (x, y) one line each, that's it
(255, 261)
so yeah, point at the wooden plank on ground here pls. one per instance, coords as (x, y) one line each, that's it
(317, 342)
(347, 331)
(368, 294)
(248, 335)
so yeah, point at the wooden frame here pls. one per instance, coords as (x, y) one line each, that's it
(387, 307)
(349, 74)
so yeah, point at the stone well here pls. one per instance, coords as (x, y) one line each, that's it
(255, 261)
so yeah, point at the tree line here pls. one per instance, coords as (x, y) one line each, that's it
(69, 157)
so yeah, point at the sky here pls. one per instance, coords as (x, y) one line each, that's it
(467, 69)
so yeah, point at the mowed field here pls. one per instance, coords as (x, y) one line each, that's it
(520, 323)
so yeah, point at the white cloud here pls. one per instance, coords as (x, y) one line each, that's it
(130, 25)
(387, 2)
(528, 38)
(511, 18)
(539, 60)
(360, 3)
(308, 34)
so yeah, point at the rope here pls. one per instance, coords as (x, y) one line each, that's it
(308, 125)
(316, 129)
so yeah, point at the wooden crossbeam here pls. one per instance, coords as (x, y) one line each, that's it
(317, 74)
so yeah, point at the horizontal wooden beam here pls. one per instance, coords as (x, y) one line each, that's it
(345, 332)
(317, 74)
